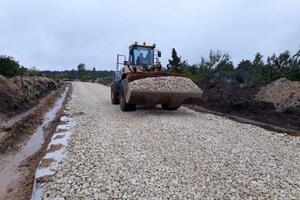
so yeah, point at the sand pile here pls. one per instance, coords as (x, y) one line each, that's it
(284, 94)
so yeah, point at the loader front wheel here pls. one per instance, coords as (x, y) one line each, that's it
(113, 94)
(123, 105)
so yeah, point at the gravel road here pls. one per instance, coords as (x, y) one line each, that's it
(157, 154)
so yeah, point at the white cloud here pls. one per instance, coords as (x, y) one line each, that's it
(60, 34)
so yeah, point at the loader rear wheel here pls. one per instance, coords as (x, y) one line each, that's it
(113, 94)
(123, 105)
(167, 107)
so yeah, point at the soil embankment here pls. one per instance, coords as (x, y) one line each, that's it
(18, 95)
(26, 143)
(23, 106)
(276, 104)
(19, 99)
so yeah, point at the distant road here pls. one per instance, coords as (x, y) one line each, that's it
(181, 154)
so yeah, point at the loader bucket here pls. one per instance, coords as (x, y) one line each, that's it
(151, 98)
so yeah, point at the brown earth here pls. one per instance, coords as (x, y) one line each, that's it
(55, 147)
(242, 102)
(16, 97)
(46, 162)
(39, 85)
(19, 131)
(12, 97)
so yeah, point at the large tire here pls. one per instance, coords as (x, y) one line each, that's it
(167, 107)
(114, 94)
(123, 105)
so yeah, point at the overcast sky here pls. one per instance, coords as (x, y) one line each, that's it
(60, 34)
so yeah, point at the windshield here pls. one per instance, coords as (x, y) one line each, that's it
(142, 56)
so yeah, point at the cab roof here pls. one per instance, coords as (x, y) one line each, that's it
(136, 44)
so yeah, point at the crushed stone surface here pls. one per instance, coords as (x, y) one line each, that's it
(165, 83)
(158, 154)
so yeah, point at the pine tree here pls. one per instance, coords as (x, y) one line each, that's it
(175, 61)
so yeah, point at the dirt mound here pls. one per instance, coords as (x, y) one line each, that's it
(231, 99)
(284, 94)
(37, 85)
(7, 85)
(223, 95)
(15, 95)
(11, 95)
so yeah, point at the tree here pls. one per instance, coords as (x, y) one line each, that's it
(294, 74)
(81, 67)
(245, 65)
(81, 72)
(8, 66)
(279, 66)
(93, 74)
(61, 76)
(175, 61)
(259, 71)
(225, 64)
(258, 59)
(213, 59)
(32, 72)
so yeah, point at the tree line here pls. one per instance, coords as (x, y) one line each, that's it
(218, 67)
(9, 68)
(81, 74)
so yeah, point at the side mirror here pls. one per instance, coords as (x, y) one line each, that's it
(159, 54)
(125, 62)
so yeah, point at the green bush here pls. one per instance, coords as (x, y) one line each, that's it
(32, 72)
(8, 66)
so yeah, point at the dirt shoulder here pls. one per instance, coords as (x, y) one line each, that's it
(232, 100)
(17, 129)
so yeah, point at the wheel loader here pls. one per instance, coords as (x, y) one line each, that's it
(143, 62)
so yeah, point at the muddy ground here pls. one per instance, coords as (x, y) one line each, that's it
(19, 134)
(233, 100)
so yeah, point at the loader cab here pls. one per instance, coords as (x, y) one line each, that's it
(141, 55)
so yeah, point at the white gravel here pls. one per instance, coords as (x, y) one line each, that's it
(158, 154)
(166, 83)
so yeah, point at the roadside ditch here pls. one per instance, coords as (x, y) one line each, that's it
(26, 143)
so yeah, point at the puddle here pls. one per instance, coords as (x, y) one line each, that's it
(10, 173)
(59, 139)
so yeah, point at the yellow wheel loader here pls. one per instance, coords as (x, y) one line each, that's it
(144, 62)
